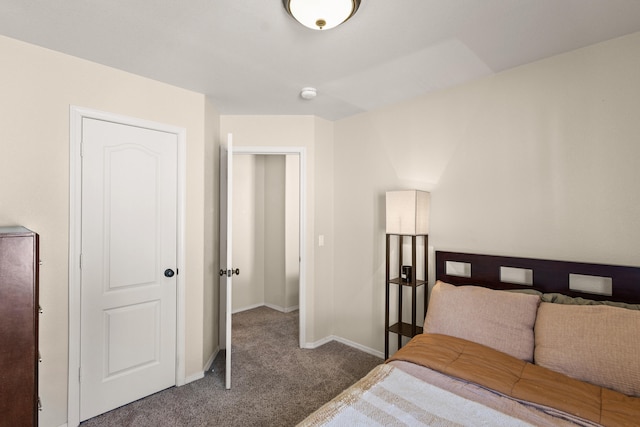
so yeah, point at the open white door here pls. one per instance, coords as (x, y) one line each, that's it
(226, 266)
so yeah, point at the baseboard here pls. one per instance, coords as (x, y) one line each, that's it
(292, 308)
(207, 365)
(265, 304)
(251, 307)
(345, 341)
(323, 341)
(195, 377)
(281, 309)
(360, 347)
(199, 375)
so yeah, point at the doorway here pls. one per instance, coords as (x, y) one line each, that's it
(300, 154)
(266, 225)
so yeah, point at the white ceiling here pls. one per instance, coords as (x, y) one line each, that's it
(250, 57)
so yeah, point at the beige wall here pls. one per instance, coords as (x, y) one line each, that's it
(248, 231)
(274, 231)
(292, 232)
(211, 285)
(539, 161)
(37, 87)
(324, 218)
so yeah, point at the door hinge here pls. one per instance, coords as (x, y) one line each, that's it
(80, 261)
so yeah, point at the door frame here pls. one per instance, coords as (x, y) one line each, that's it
(301, 152)
(76, 115)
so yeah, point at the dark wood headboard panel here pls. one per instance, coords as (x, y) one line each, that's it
(548, 275)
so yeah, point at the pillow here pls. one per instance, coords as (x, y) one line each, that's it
(595, 343)
(500, 320)
(564, 299)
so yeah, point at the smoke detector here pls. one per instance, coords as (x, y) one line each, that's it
(308, 92)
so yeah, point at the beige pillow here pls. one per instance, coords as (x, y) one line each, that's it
(564, 299)
(594, 343)
(500, 320)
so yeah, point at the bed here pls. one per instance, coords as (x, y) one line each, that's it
(513, 342)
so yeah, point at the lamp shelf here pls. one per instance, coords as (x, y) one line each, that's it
(400, 327)
(399, 281)
(405, 329)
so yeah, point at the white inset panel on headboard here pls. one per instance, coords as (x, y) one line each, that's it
(591, 284)
(456, 268)
(518, 276)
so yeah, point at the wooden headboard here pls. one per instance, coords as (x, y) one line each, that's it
(543, 275)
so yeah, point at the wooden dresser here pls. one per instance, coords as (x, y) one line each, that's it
(19, 313)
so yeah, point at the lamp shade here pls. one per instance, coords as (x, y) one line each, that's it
(408, 212)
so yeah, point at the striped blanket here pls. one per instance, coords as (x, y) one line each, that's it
(388, 396)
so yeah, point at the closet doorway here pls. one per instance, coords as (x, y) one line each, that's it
(268, 231)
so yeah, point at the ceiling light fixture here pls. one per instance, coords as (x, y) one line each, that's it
(321, 14)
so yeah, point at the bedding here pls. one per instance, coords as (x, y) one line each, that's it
(471, 384)
(501, 320)
(391, 396)
(520, 380)
(490, 357)
(597, 343)
(557, 298)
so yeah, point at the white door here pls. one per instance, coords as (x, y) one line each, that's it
(226, 266)
(129, 258)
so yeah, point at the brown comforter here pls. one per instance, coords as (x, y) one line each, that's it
(520, 380)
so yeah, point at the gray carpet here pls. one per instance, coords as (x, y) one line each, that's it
(275, 383)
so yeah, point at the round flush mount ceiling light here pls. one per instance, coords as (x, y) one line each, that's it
(308, 92)
(321, 14)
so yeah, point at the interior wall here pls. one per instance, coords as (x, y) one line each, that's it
(538, 161)
(248, 231)
(211, 286)
(323, 309)
(265, 227)
(274, 233)
(292, 232)
(38, 86)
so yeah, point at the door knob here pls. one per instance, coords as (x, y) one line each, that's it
(168, 273)
(230, 273)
